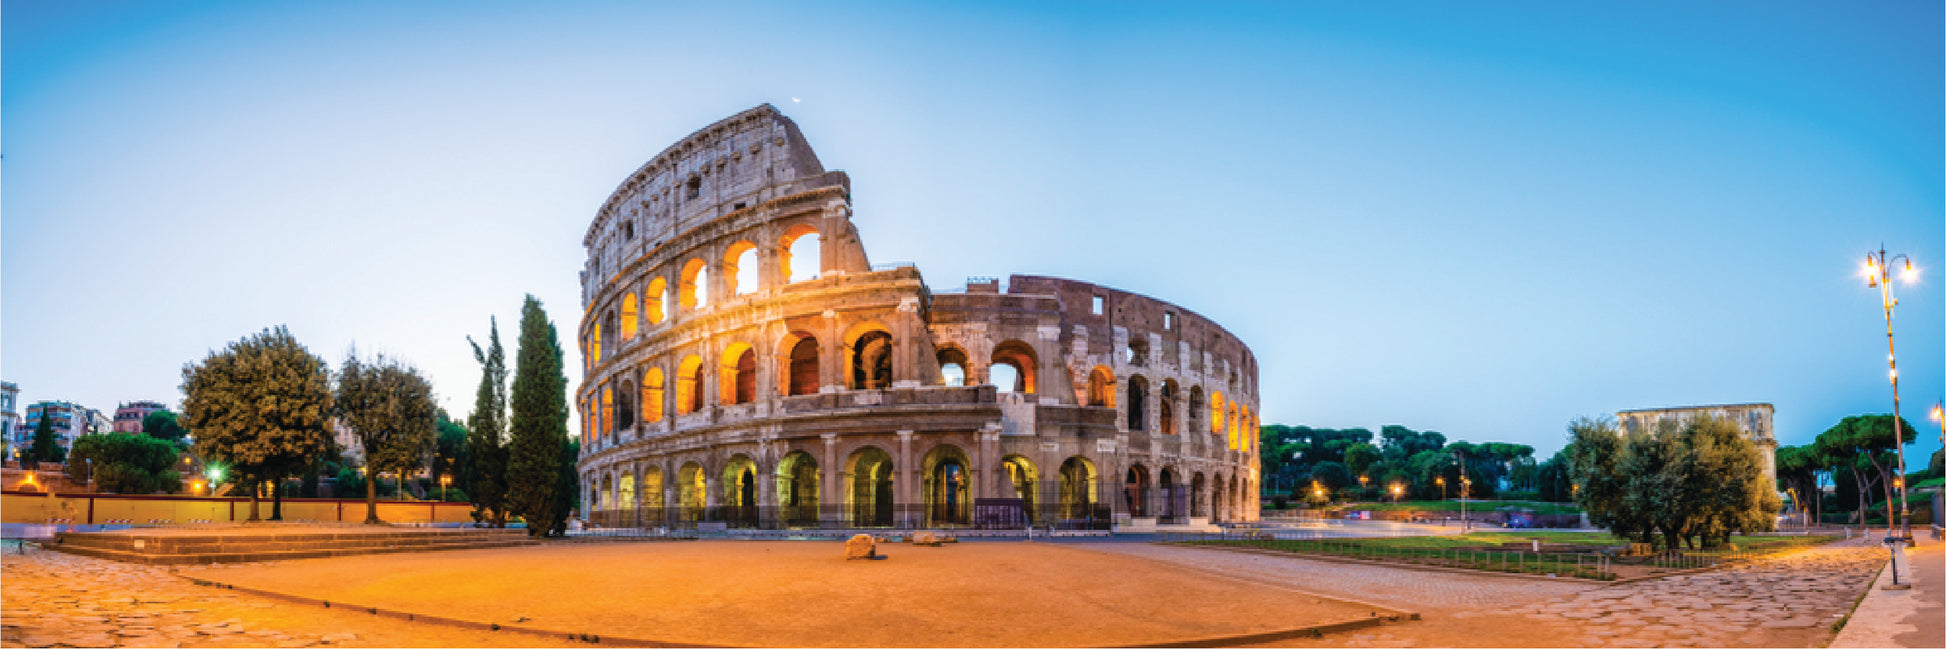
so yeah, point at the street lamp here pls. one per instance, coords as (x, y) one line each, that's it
(1877, 272)
(444, 481)
(1441, 481)
(1362, 486)
(1396, 490)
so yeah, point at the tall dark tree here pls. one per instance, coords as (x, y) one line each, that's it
(486, 478)
(46, 448)
(389, 407)
(259, 405)
(539, 425)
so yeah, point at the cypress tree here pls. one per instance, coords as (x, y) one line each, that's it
(539, 425)
(45, 448)
(486, 435)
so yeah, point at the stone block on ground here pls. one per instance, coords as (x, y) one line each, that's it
(925, 538)
(861, 546)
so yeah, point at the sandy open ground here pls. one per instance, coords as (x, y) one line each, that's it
(807, 594)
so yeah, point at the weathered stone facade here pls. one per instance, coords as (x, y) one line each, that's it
(858, 397)
(1753, 418)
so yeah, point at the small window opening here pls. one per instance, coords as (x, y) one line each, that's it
(695, 187)
(628, 231)
(738, 206)
(1169, 320)
(1100, 302)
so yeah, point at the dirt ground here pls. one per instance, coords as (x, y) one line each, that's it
(807, 594)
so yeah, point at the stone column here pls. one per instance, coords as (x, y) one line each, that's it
(904, 486)
(990, 465)
(831, 357)
(830, 493)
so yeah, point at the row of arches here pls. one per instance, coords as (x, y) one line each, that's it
(862, 492)
(797, 258)
(1231, 419)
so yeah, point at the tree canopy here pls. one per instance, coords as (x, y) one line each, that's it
(164, 425)
(538, 426)
(389, 407)
(1700, 479)
(259, 405)
(125, 463)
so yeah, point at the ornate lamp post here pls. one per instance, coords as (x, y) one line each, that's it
(1878, 275)
(1441, 481)
(445, 480)
(1361, 485)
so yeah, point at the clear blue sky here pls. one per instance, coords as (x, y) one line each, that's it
(1479, 218)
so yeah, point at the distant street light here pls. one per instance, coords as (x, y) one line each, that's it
(1877, 273)
(1441, 480)
(444, 481)
(1396, 491)
(1361, 485)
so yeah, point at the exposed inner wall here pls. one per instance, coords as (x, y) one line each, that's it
(823, 400)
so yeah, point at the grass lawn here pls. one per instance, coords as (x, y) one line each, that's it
(1454, 506)
(1495, 538)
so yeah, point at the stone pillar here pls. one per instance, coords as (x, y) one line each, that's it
(831, 356)
(904, 487)
(989, 460)
(830, 493)
(770, 272)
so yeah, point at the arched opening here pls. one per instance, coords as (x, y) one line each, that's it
(1079, 505)
(1138, 401)
(691, 493)
(607, 410)
(625, 406)
(652, 394)
(1198, 487)
(1135, 492)
(868, 487)
(653, 298)
(740, 266)
(1216, 412)
(1019, 360)
(1101, 387)
(1168, 407)
(1137, 352)
(1022, 480)
(1230, 425)
(594, 348)
(625, 496)
(952, 366)
(1169, 496)
(740, 492)
(693, 292)
(797, 490)
(629, 316)
(689, 385)
(605, 497)
(871, 361)
(652, 505)
(802, 378)
(739, 375)
(1233, 504)
(1217, 510)
(948, 486)
(800, 253)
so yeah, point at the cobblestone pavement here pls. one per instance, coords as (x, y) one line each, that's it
(1789, 600)
(49, 599)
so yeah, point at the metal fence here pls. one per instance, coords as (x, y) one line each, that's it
(984, 514)
(1597, 564)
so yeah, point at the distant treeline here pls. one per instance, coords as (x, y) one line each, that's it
(1422, 463)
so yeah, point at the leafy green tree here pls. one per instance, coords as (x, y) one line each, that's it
(259, 405)
(46, 448)
(1797, 474)
(486, 475)
(389, 407)
(125, 464)
(1864, 443)
(1552, 481)
(539, 425)
(1360, 457)
(1595, 449)
(1333, 476)
(164, 425)
(449, 451)
(1701, 479)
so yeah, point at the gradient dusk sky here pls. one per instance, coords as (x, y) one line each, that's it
(1484, 219)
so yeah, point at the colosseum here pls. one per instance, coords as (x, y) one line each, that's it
(747, 366)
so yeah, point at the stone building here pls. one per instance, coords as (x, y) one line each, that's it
(747, 364)
(1752, 418)
(128, 416)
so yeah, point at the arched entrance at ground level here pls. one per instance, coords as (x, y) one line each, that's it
(1135, 492)
(1079, 500)
(1169, 495)
(691, 494)
(740, 492)
(868, 488)
(1197, 487)
(948, 486)
(1021, 478)
(1235, 505)
(1217, 510)
(797, 490)
(652, 495)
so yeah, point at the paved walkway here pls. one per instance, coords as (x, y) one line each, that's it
(1904, 618)
(1789, 600)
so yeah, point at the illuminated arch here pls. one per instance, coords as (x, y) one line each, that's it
(868, 487)
(693, 291)
(607, 410)
(689, 385)
(691, 492)
(953, 365)
(740, 268)
(1021, 479)
(1079, 489)
(798, 252)
(653, 300)
(801, 374)
(868, 355)
(653, 389)
(629, 316)
(625, 491)
(947, 474)
(1216, 412)
(594, 347)
(797, 489)
(1101, 387)
(652, 489)
(740, 491)
(1019, 356)
(738, 374)
(625, 406)
(1168, 406)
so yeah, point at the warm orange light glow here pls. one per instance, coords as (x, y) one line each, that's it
(1936, 414)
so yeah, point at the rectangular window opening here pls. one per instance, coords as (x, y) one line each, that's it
(1100, 302)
